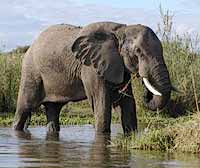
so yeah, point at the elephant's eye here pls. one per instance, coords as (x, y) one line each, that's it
(138, 50)
(142, 56)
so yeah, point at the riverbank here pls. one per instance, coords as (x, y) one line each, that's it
(174, 135)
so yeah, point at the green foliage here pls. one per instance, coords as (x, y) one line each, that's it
(20, 49)
(180, 135)
(10, 70)
(40, 119)
(183, 60)
(74, 116)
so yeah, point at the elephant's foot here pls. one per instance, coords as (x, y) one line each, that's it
(21, 129)
(27, 123)
(102, 127)
(129, 129)
(105, 131)
(22, 121)
(52, 136)
(18, 126)
(53, 128)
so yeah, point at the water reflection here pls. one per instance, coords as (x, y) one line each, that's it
(79, 147)
(100, 155)
(22, 135)
(57, 153)
(40, 153)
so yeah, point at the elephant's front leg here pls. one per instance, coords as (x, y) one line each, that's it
(102, 110)
(127, 109)
(99, 98)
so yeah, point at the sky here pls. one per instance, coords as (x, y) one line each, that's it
(21, 21)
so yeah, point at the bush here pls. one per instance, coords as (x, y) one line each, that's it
(10, 70)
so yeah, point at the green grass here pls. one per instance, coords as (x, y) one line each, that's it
(40, 119)
(10, 70)
(71, 114)
(176, 135)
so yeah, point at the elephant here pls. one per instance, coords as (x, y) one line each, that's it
(67, 63)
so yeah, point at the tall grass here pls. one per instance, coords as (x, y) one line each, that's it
(10, 70)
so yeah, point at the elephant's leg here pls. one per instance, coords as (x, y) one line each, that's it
(22, 117)
(127, 109)
(52, 113)
(99, 99)
(29, 98)
(102, 110)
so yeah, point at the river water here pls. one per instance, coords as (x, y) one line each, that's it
(78, 146)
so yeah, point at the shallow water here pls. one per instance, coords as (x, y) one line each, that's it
(77, 146)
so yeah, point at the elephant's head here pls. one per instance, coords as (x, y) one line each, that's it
(113, 48)
(142, 52)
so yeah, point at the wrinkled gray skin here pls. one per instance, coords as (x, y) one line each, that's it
(68, 63)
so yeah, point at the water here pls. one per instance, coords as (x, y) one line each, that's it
(77, 146)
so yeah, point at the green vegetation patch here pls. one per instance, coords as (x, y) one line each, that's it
(72, 114)
(182, 135)
(40, 119)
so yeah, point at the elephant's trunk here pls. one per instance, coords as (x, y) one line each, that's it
(157, 102)
(159, 79)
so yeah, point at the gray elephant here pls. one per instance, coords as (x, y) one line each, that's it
(68, 63)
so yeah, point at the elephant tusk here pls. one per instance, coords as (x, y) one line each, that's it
(151, 88)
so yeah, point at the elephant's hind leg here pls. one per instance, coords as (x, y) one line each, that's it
(29, 98)
(22, 118)
(52, 113)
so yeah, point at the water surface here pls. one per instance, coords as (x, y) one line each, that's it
(78, 146)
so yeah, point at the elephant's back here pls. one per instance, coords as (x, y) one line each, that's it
(52, 47)
(54, 39)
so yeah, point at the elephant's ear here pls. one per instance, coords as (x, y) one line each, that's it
(100, 50)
